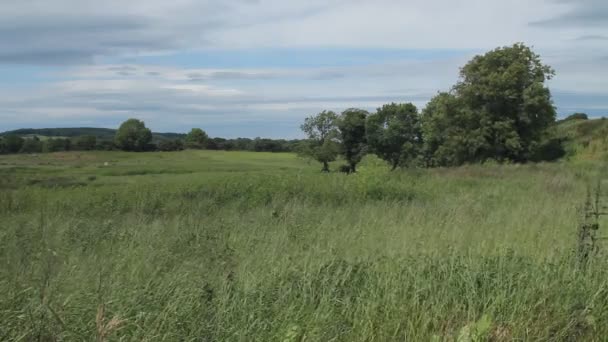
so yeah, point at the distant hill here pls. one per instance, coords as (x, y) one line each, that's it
(100, 133)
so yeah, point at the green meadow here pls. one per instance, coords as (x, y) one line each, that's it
(243, 246)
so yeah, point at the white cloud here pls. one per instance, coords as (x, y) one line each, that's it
(70, 31)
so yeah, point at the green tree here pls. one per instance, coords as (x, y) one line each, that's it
(351, 125)
(321, 132)
(133, 136)
(196, 138)
(393, 134)
(498, 110)
(451, 133)
(506, 87)
(12, 143)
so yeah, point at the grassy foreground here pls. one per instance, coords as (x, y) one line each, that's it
(233, 246)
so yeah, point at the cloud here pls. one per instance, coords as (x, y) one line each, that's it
(167, 99)
(579, 13)
(82, 31)
(592, 37)
(317, 54)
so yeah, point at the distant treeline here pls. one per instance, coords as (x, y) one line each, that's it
(88, 139)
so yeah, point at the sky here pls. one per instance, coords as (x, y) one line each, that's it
(249, 68)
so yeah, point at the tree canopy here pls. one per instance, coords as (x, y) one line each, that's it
(196, 138)
(498, 110)
(394, 134)
(321, 131)
(133, 136)
(351, 125)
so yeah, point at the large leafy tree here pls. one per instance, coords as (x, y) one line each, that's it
(321, 132)
(498, 110)
(393, 134)
(506, 87)
(196, 138)
(133, 136)
(351, 126)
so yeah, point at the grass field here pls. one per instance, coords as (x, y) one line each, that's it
(236, 246)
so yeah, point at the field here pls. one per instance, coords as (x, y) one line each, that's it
(238, 246)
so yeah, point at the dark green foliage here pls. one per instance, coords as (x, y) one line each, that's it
(104, 140)
(197, 138)
(170, 145)
(576, 116)
(550, 149)
(11, 144)
(270, 145)
(31, 145)
(56, 145)
(105, 146)
(351, 127)
(394, 134)
(85, 143)
(99, 133)
(105, 133)
(452, 135)
(215, 143)
(499, 110)
(345, 169)
(321, 131)
(133, 136)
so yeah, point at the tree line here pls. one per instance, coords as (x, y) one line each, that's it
(500, 109)
(134, 136)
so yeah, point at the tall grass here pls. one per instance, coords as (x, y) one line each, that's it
(260, 247)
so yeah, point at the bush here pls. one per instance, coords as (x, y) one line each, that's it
(57, 145)
(105, 146)
(33, 145)
(549, 150)
(576, 116)
(85, 143)
(170, 145)
(11, 144)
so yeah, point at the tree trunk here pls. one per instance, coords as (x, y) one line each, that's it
(353, 168)
(325, 167)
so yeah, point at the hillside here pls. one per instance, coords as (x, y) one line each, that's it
(583, 139)
(99, 133)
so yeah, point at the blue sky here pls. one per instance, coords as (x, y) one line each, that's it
(258, 67)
